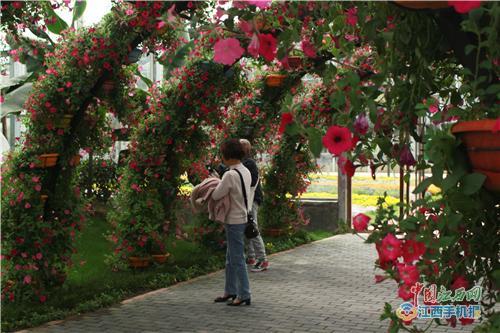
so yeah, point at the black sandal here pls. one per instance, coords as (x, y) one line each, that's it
(221, 299)
(241, 301)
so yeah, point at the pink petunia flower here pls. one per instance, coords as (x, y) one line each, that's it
(245, 26)
(338, 139)
(262, 4)
(408, 273)
(227, 51)
(412, 250)
(308, 48)
(463, 7)
(391, 247)
(267, 47)
(352, 16)
(361, 124)
(360, 222)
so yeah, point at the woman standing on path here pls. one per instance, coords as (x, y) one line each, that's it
(237, 286)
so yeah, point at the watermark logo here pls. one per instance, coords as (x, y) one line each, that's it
(433, 307)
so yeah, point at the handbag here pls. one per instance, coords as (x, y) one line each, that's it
(251, 230)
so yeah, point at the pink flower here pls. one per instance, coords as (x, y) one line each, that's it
(38, 187)
(286, 118)
(352, 16)
(391, 247)
(135, 187)
(338, 139)
(267, 47)
(245, 26)
(227, 51)
(496, 127)
(39, 256)
(412, 250)
(262, 4)
(308, 48)
(464, 7)
(27, 279)
(360, 222)
(69, 84)
(160, 25)
(433, 108)
(408, 273)
(361, 124)
(406, 157)
(27, 205)
(346, 166)
(253, 47)
(380, 278)
(2, 99)
(404, 292)
(129, 12)
(171, 13)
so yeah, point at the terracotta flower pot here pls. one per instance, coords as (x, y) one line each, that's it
(294, 62)
(275, 80)
(138, 262)
(47, 160)
(64, 122)
(423, 4)
(274, 232)
(160, 258)
(483, 149)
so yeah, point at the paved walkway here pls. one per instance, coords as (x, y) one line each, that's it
(326, 286)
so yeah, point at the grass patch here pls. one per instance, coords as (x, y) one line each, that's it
(92, 285)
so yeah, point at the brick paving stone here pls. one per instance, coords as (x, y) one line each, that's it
(326, 286)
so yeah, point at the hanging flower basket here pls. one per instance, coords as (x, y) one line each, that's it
(483, 149)
(47, 160)
(138, 262)
(64, 122)
(160, 258)
(274, 232)
(423, 4)
(294, 62)
(275, 80)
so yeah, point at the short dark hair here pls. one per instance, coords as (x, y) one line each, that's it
(232, 149)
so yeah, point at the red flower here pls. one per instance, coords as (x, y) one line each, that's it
(308, 48)
(464, 7)
(391, 247)
(43, 298)
(408, 273)
(352, 16)
(360, 222)
(412, 250)
(404, 292)
(338, 139)
(346, 166)
(286, 118)
(267, 47)
(460, 282)
(466, 321)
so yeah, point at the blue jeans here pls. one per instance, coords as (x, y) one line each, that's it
(236, 270)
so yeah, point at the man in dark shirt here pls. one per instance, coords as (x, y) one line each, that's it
(256, 252)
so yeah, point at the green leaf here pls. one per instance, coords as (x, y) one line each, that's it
(315, 143)
(177, 59)
(59, 24)
(472, 183)
(423, 185)
(293, 129)
(446, 241)
(78, 11)
(450, 181)
(469, 48)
